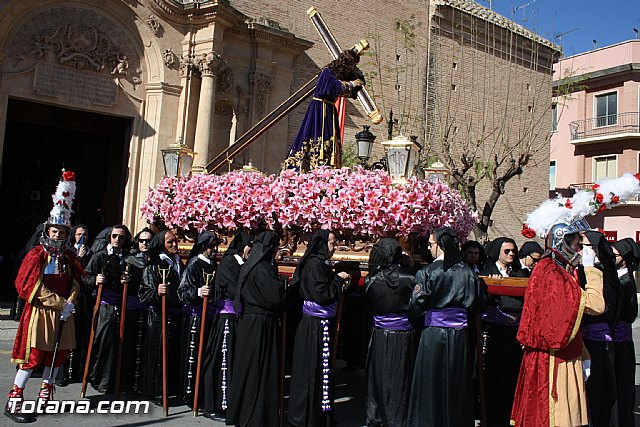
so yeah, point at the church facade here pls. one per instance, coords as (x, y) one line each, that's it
(100, 87)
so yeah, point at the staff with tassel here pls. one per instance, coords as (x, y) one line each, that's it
(125, 290)
(208, 277)
(94, 322)
(164, 272)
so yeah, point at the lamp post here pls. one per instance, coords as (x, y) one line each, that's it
(365, 140)
(177, 159)
(402, 156)
(436, 172)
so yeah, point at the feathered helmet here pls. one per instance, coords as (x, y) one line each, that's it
(63, 200)
(554, 219)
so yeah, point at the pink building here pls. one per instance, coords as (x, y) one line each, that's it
(597, 128)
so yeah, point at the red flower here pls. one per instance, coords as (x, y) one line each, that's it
(69, 176)
(527, 232)
(594, 187)
(599, 197)
(615, 199)
(568, 204)
(602, 207)
(65, 194)
(637, 176)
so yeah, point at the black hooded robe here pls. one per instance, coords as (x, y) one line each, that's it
(253, 394)
(391, 351)
(137, 313)
(601, 385)
(320, 285)
(625, 353)
(220, 349)
(151, 382)
(105, 342)
(192, 279)
(442, 388)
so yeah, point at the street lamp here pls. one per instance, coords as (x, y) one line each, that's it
(402, 156)
(436, 172)
(177, 159)
(365, 140)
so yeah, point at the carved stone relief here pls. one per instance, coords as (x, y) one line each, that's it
(225, 81)
(262, 84)
(77, 56)
(153, 24)
(169, 58)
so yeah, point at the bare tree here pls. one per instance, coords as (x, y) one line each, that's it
(489, 101)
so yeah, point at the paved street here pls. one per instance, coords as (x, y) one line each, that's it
(349, 404)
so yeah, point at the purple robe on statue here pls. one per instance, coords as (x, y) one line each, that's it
(318, 140)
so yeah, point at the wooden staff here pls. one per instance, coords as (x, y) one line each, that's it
(165, 407)
(125, 291)
(94, 323)
(203, 324)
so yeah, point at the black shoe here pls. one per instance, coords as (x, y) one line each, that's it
(19, 417)
(213, 416)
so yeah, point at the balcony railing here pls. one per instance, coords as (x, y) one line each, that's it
(612, 124)
(588, 185)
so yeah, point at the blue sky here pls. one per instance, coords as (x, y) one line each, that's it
(606, 21)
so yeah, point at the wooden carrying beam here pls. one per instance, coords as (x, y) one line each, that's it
(508, 286)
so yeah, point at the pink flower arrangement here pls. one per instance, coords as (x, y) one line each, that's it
(356, 201)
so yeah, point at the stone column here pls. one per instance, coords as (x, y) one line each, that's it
(208, 65)
(188, 73)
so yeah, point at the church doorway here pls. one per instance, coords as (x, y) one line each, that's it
(39, 141)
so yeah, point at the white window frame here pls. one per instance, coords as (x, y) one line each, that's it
(555, 122)
(555, 175)
(595, 107)
(593, 169)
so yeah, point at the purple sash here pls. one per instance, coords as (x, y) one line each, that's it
(597, 332)
(497, 316)
(111, 297)
(196, 310)
(133, 303)
(225, 306)
(392, 322)
(314, 309)
(446, 318)
(623, 332)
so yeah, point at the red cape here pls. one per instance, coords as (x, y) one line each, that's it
(28, 282)
(551, 316)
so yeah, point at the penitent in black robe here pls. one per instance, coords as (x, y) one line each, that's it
(322, 286)
(442, 387)
(193, 279)
(105, 342)
(253, 397)
(391, 352)
(151, 382)
(625, 354)
(503, 353)
(221, 341)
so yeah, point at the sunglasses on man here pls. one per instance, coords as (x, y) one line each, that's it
(117, 236)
